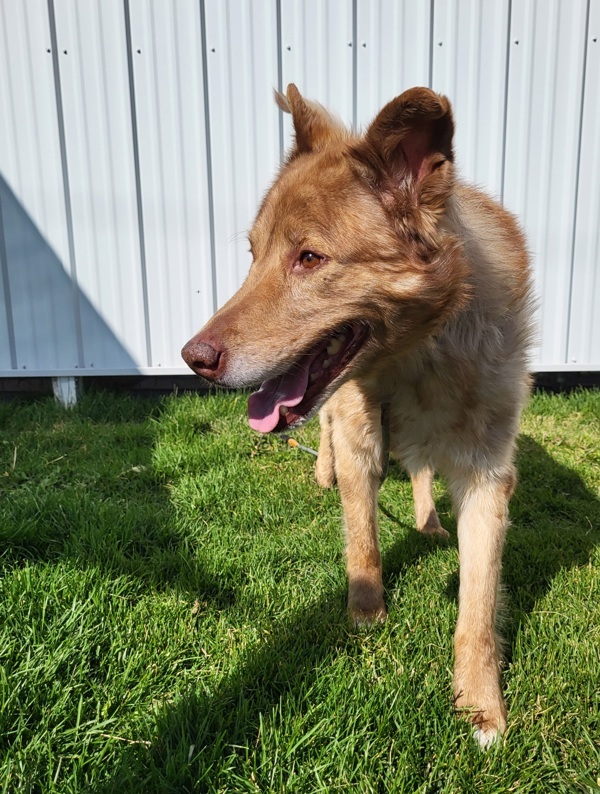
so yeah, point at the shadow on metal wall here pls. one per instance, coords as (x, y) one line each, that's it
(47, 323)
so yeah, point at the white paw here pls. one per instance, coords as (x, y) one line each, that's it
(486, 738)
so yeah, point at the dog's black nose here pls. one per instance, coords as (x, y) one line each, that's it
(202, 357)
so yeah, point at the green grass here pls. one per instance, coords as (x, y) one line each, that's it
(172, 612)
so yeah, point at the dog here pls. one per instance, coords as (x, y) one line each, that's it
(397, 300)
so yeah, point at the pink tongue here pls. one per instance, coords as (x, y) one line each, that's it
(263, 405)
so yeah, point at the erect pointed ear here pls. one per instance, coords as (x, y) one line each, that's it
(409, 140)
(314, 127)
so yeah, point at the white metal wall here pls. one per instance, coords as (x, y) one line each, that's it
(138, 136)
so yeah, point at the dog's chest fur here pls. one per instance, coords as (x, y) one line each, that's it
(447, 417)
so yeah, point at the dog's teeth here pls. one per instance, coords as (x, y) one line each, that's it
(313, 377)
(334, 346)
(283, 410)
(326, 363)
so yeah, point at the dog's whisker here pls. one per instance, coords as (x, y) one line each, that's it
(237, 237)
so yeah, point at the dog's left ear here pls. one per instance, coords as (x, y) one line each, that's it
(410, 144)
(314, 127)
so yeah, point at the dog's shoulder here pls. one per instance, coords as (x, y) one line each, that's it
(495, 247)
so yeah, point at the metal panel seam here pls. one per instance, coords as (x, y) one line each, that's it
(354, 65)
(183, 172)
(7, 298)
(209, 174)
(505, 119)
(12, 347)
(431, 32)
(252, 53)
(576, 192)
(67, 190)
(279, 73)
(160, 149)
(138, 180)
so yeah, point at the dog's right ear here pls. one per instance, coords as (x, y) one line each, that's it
(315, 129)
(407, 151)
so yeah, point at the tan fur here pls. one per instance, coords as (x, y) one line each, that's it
(425, 514)
(439, 275)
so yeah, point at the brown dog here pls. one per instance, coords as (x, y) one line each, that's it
(386, 287)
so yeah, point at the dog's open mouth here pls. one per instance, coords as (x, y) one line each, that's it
(288, 399)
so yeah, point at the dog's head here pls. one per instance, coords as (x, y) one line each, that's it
(350, 261)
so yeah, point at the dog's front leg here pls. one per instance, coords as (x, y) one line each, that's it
(357, 446)
(481, 502)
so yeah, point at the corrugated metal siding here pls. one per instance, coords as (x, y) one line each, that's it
(96, 114)
(138, 136)
(393, 51)
(166, 53)
(317, 53)
(242, 68)
(39, 290)
(584, 331)
(543, 127)
(469, 57)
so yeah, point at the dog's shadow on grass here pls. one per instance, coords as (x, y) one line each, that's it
(96, 500)
(555, 525)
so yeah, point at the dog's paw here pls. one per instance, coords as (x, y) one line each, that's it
(364, 618)
(488, 724)
(434, 529)
(366, 606)
(325, 477)
(487, 737)
(324, 472)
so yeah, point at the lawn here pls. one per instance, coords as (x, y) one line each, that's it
(173, 612)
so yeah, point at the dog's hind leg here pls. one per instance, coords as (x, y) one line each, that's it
(357, 444)
(425, 513)
(481, 502)
(325, 468)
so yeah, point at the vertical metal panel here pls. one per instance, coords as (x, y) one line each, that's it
(96, 103)
(171, 132)
(7, 338)
(35, 243)
(317, 54)
(584, 334)
(469, 66)
(393, 51)
(241, 40)
(542, 135)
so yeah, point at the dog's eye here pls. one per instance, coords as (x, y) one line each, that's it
(309, 259)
